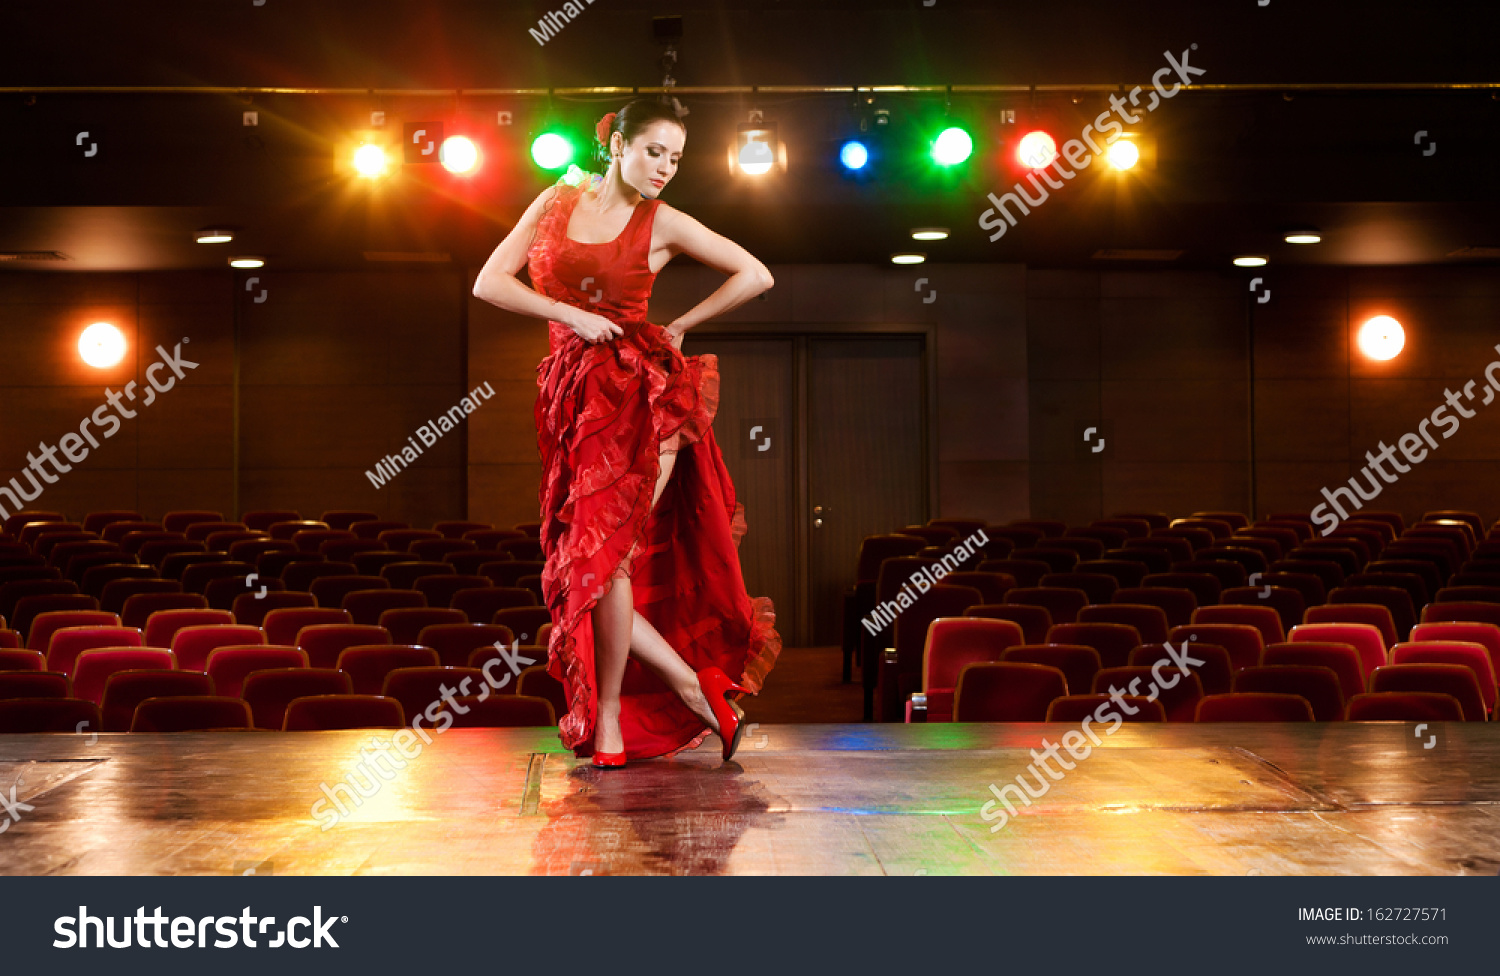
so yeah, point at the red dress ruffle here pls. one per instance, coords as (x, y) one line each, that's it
(602, 413)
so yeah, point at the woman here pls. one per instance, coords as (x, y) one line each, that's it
(640, 526)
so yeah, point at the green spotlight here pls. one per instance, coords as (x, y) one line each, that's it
(952, 147)
(551, 151)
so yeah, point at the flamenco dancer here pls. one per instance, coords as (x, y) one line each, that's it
(640, 527)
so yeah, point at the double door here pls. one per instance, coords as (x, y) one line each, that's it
(825, 437)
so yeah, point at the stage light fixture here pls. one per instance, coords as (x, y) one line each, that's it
(1251, 261)
(1381, 338)
(930, 234)
(1123, 154)
(247, 261)
(101, 345)
(757, 148)
(370, 160)
(854, 155)
(214, 235)
(1036, 150)
(1304, 235)
(907, 257)
(953, 145)
(459, 155)
(551, 151)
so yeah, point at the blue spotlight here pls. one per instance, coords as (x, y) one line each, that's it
(854, 155)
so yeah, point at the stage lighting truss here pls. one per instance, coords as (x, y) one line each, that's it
(757, 150)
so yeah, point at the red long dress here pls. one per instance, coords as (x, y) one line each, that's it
(604, 413)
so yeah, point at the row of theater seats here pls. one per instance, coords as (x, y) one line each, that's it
(151, 651)
(1375, 607)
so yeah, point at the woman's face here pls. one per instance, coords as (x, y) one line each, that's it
(649, 163)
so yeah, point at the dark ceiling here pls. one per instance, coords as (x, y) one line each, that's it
(1308, 114)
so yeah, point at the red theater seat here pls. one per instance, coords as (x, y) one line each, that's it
(124, 690)
(1470, 655)
(324, 713)
(535, 682)
(1485, 613)
(1411, 706)
(1078, 662)
(1319, 685)
(1073, 709)
(94, 667)
(1006, 691)
(193, 645)
(366, 606)
(420, 688)
(301, 575)
(283, 626)
(261, 521)
(325, 642)
(268, 692)
(17, 659)
(404, 575)
(455, 643)
(440, 590)
(113, 596)
(1445, 679)
(434, 550)
(1062, 604)
(1373, 614)
(1149, 621)
(163, 625)
(1114, 642)
(1365, 638)
(348, 518)
(43, 625)
(1177, 693)
(482, 604)
(329, 591)
(1342, 659)
(26, 715)
(196, 714)
(1487, 635)
(179, 521)
(34, 684)
(1176, 605)
(66, 644)
(1215, 672)
(1033, 621)
(1264, 619)
(1244, 643)
(954, 642)
(251, 610)
(368, 664)
(139, 608)
(229, 666)
(1205, 587)
(1254, 707)
(459, 530)
(1285, 601)
(526, 623)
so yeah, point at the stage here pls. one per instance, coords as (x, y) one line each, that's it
(798, 800)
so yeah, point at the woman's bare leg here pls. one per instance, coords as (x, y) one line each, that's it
(612, 625)
(619, 630)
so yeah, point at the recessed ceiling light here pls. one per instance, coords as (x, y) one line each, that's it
(247, 261)
(1304, 235)
(1250, 261)
(908, 258)
(930, 234)
(214, 235)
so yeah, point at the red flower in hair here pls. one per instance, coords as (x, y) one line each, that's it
(601, 131)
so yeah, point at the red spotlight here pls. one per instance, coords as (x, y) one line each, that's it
(1036, 150)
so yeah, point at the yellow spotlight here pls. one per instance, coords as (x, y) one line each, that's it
(458, 154)
(1382, 338)
(1123, 154)
(369, 160)
(101, 345)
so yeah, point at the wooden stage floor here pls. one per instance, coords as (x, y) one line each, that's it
(798, 800)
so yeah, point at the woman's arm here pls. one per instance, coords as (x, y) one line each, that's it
(747, 276)
(497, 283)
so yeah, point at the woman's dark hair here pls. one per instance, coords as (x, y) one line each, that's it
(634, 118)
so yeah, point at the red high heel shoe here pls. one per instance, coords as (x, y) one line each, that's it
(716, 684)
(609, 760)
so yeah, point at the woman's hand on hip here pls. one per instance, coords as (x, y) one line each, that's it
(675, 335)
(593, 328)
